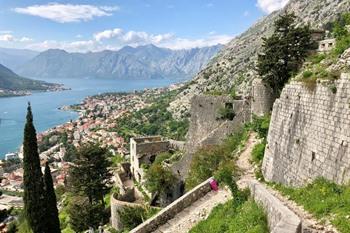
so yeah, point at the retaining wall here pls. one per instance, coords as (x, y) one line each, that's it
(280, 218)
(118, 204)
(309, 134)
(174, 208)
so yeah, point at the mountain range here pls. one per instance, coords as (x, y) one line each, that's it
(143, 62)
(14, 58)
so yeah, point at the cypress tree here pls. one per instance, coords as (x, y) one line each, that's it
(53, 223)
(34, 199)
(284, 52)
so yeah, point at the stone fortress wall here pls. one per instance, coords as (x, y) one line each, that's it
(309, 134)
(262, 98)
(206, 127)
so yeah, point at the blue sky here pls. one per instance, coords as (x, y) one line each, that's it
(111, 24)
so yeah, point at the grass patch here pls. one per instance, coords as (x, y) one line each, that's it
(247, 217)
(131, 217)
(258, 152)
(260, 125)
(310, 83)
(317, 58)
(325, 200)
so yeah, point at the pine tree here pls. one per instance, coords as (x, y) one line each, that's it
(53, 223)
(90, 176)
(284, 52)
(34, 199)
(89, 179)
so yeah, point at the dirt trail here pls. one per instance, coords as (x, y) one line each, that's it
(199, 210)
(244, 164)
(310, 224)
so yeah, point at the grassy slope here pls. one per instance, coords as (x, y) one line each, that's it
(325, 200)
(245, 218)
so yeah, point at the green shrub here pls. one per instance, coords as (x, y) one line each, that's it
(160, 158)
(325, 200)
(317, 58)
(206, 161)
(257, 158)
(226, 113)
(131, 217)
(342, 44)
(261, 125)
(307, 74)
(333, 88)
(233, 93)
(258, 152)
(310, 83)
(159, 179)
(342, 35)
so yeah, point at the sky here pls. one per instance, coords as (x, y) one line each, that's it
(94, 25)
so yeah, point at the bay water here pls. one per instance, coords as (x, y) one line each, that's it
(45, 106)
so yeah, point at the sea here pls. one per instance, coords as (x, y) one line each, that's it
(45, 105)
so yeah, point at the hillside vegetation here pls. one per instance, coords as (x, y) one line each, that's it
(11, 81)
(154, 120)
(325, 200)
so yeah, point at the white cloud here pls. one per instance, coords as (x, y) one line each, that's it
(183, 43)
(65, 13)
(269, 6)
(140, 38)
(7, 37)
(117, 38)
(108, 34)
(246, 13)
(11, 38)
(75, 46)
(133, 38)
(25, 39)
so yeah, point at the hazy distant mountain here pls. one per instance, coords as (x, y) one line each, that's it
(13, 58)
(142, 62)
(11, 83)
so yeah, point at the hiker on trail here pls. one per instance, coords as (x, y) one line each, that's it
(214, 184)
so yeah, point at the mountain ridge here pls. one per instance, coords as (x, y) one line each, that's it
(148, 61)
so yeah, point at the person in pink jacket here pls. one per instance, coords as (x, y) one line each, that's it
(214, 184)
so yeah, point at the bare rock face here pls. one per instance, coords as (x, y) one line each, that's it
(234, 66)
(343, 62)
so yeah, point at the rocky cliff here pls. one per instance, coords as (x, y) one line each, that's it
(234, 66)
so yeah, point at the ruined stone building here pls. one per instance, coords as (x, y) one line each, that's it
(144, 150)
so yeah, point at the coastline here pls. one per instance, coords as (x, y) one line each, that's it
(5, 93)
